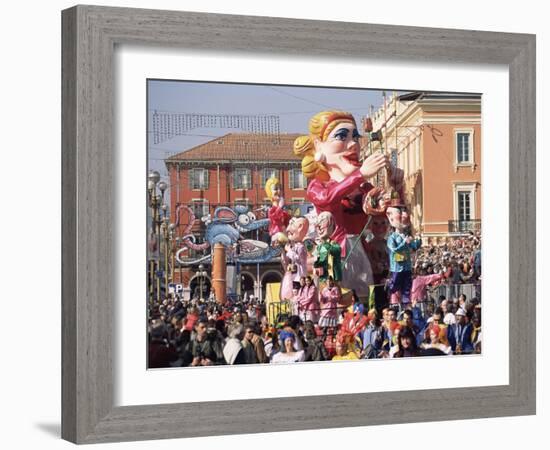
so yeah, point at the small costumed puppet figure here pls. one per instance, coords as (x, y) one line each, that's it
(294, 256)
(330, 297)
(374, 205)
(309, 301)
(328, 260)
(278, 217)
(401, 245)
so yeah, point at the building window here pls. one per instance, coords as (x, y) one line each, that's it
(297, 179)
(198, 179)
(268, 173)
(200, 207)
(242, 179)
(465, 202)
(464, 206)
(464, 147)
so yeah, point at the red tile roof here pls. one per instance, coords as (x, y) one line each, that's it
(242, 147)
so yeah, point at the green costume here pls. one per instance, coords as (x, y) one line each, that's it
(329, 258)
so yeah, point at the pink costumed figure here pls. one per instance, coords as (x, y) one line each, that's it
(330, 297)
(331, 160)
(278, 217)
(294, 256)
(309, 301)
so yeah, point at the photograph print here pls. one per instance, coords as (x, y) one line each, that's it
(291, 224)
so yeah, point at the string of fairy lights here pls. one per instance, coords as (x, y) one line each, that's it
(168, 125)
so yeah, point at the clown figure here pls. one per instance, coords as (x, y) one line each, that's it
(328, 253)
(294, 256)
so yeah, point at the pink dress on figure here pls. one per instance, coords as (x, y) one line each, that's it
(330, 296)
(278, 218)
(297, 255)
(309, 303)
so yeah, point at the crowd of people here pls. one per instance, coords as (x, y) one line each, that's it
(197, 332)
(458, 259)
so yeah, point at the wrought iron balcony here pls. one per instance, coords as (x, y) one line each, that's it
(464, 226)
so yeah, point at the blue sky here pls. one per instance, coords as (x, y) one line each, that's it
(293, 105)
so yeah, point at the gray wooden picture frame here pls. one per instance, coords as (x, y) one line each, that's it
(90, 34)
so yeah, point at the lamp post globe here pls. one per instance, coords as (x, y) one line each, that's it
(162, 186)
(154, 177)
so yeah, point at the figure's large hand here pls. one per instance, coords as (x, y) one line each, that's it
(373, 164)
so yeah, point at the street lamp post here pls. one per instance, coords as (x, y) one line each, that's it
(160, 229)
(201, 274)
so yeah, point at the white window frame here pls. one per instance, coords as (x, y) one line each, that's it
(291, 180)
(266, 174)
(192, 177)
(248, 178)
(195, 202)
(471, 148)
(465, 187)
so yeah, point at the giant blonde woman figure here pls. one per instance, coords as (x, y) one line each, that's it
(339, 181)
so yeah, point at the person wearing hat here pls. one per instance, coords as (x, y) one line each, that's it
(288, 353)
(460, 334)
(401, 245)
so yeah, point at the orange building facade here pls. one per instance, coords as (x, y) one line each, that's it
(436, 140)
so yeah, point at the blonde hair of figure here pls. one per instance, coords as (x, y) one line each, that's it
(269, 184)
(320, 126)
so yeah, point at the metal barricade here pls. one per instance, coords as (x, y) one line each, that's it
(451, 291)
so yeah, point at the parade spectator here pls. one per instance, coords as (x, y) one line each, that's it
(288, 354)
(253, 345)
(344, 352)
(438, 340)
(447, 311)
(460, 335)
(408, 321)
(330, 296)
(205, 346)
(315, 349)
(293, 325)
(418, 316)
(233, 350)
(406, 344)
(161, 352)
(476, 330)
(373, 336)
(330, 342)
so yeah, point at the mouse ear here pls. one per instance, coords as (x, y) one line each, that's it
(225, 214)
